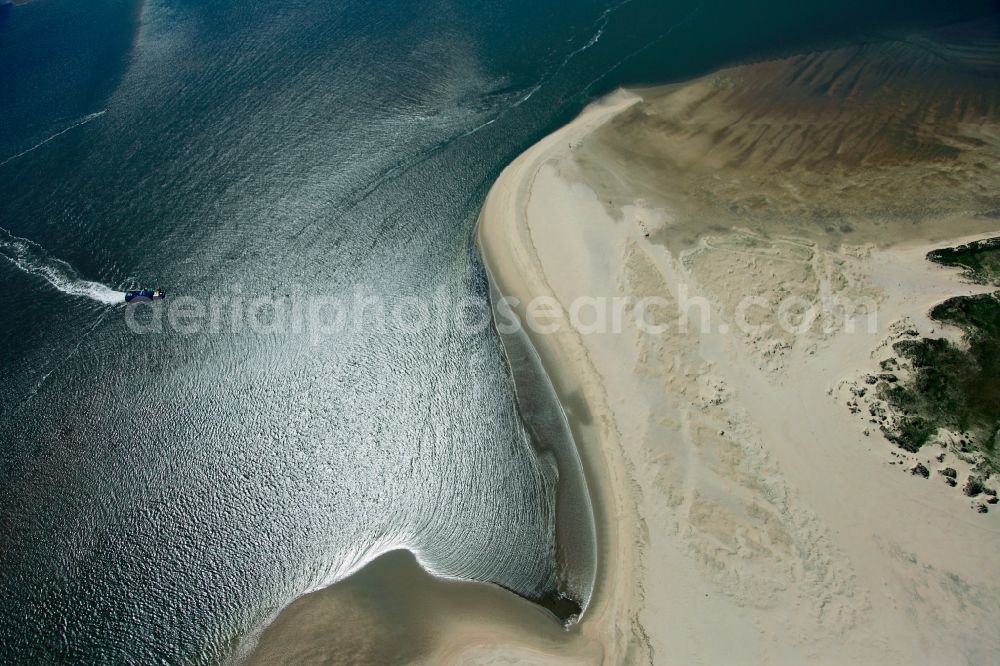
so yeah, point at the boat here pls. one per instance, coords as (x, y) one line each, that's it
(144, 295)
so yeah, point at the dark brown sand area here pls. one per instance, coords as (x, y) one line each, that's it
(903, 134)
(394, 612)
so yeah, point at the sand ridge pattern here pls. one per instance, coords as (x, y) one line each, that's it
(892, 132)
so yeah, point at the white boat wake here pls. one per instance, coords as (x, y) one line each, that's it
(82, 121)
(32, 258)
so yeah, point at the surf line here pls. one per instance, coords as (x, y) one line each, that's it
(82, 121)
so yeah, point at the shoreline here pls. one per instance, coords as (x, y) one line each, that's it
(552, 440)
(502, 218)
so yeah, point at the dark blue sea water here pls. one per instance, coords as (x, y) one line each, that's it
(162, 495)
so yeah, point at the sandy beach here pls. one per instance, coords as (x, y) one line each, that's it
(746, 513)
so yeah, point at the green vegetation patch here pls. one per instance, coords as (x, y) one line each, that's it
(981, 260)
(950, 386)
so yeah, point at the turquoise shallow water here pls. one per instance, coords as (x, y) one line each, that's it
(163, 494)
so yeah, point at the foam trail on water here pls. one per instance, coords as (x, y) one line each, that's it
(82, 121)
(32, 258)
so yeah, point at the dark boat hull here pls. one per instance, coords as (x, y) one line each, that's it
(144, 295)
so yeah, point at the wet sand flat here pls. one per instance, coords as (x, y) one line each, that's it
(393, 612)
